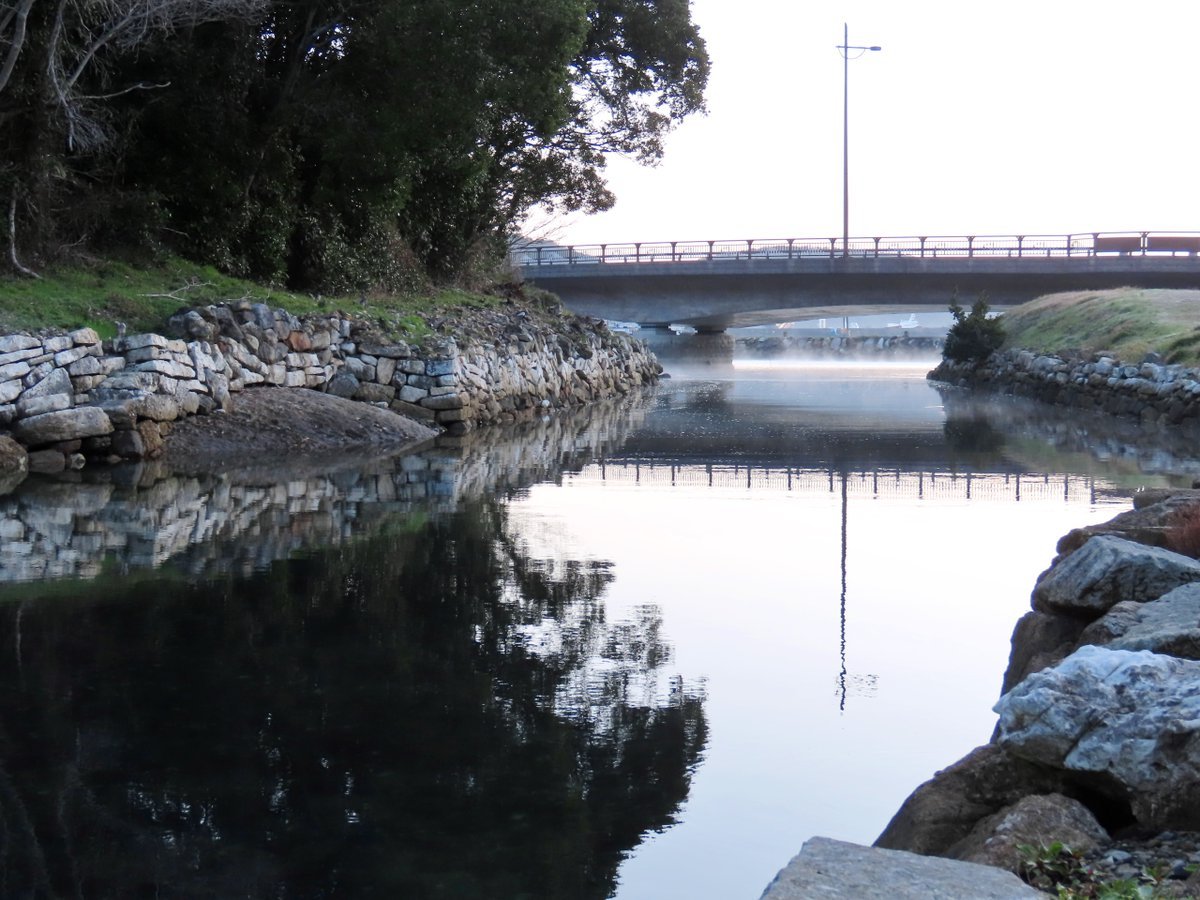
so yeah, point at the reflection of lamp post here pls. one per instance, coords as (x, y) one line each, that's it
(844, 48)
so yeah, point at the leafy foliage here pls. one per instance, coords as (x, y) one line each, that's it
(332, 145)
(974, 335)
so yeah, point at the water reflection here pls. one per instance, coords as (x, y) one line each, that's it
(426, 712)
(492, 668)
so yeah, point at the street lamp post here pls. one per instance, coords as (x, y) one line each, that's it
(845, 47)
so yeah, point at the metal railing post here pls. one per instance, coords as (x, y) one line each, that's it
(571, 255)
(673, 259)
(832, 247)
(604, 253)
(790, 242)
(539, 255)
(1020, 245)
(1145, 234)
(877, 248)
(970, 247)
(750, 249)
(922, 240)
(710, 250)
(637, 252)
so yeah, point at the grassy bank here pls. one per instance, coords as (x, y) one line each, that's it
(103, 292)
(1127, 322)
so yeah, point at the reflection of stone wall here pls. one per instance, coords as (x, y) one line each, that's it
(140, 516)
(65, 396)
(1110, 440)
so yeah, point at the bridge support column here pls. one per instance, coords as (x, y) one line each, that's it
(710, 347)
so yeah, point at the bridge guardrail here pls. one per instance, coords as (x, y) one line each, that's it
(1127, 243)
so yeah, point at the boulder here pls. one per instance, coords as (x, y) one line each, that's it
(64, 425)
(14, 459)
(1109, 569)
(343, 384)
(943, 812)
(1127, 723)
(826, 869)
(1035, 821)
(1151, 521)
(1040, 640)
(1170, 625)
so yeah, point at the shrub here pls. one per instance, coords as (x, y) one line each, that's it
(974, 335)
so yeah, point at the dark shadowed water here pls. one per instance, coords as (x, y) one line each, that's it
(644, 652)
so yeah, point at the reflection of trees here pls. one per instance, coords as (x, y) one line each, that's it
(425, 714)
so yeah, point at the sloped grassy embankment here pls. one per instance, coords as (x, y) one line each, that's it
(1125, 323)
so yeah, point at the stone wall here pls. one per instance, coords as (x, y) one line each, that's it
(68, 398)
(141, 515)
(838, 347)
(1150, 391)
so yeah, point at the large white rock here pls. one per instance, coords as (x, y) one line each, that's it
(66, 425)
(1129, 721)
(826, 869)
(1107, 570)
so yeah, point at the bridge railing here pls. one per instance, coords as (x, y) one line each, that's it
(1125, 243)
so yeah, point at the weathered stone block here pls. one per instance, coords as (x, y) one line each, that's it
(14, 370)
(836, 870)
(64, 425)
(10, 390)
(12, 342)
(56, 381)
(375, 393)
(64, 358)
(35, 406)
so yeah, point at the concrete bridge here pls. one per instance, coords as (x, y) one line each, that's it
(714, 285)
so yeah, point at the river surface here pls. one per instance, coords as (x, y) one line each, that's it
(643, 651)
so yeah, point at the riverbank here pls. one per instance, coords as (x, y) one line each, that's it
(1091, 776)
(70, 399)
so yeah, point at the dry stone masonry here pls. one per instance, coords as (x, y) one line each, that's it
(68, 398)
(1151, 391)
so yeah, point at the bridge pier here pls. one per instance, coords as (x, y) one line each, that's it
(707, 347)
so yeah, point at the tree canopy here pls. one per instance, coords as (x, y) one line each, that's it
(329, 144)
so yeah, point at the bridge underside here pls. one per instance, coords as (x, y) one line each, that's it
(736, 293)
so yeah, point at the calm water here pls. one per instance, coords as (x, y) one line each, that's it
(642, 652)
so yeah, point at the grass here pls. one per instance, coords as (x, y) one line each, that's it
(1127, 322)
(101, 293)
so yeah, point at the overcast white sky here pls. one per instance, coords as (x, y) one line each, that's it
(1027, 116)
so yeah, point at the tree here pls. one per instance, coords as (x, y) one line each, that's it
(974, 336)
(57, 65)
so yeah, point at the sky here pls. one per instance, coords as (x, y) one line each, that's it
(1044, 117)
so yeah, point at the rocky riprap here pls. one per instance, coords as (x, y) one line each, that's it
(838, 347)
(69, 398)
(1151, 391)
(1097, 744)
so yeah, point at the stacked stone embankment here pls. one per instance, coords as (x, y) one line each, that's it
(1151, 391)
(842, 347)
(68, 398)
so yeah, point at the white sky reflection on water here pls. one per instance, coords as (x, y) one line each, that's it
(748, 582)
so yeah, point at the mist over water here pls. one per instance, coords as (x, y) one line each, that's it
(642, 651)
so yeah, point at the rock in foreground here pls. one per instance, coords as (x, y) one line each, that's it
(1128, 722)
(826, 869)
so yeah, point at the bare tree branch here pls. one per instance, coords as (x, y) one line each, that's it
(17, 17)
(12, 239)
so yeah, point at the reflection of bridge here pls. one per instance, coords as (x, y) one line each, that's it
(922, 485)
(717, 284)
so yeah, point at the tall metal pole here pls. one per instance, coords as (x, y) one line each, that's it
(845, 49)
(845, 139)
